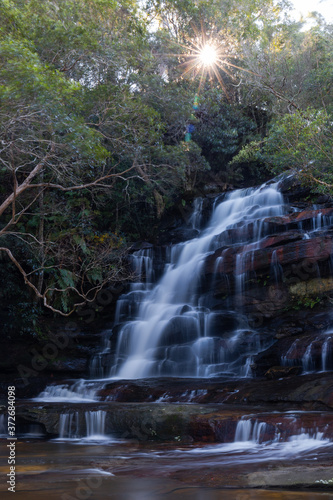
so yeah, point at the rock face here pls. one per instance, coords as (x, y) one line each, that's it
(254, 403)
(314, 250)
(287, 288)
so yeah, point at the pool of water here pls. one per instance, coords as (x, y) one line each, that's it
(124, 470)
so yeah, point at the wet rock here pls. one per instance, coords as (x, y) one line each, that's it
(295, 218)
(312, 287)
(179, 422)
(292, 188)
(291, 352)
(186, 309)
(180, 329)
(304, 476)
(311, 391)
(282, 371)
(312, 250)
(77, 365)
(182, 234)
(320, 321)
(130, 392)
(289, 331)
(323, 198)
(140, 245)
(221, 323)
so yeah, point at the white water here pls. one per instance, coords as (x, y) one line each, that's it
(172, 334)
(79, 391)
(252, 445)
(69, 426)
(95, 422)
(246, 430)
(317, 356)
(91, 428)
(303, 445)
(171, 328)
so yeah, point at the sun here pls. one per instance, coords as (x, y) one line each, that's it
(208, 55)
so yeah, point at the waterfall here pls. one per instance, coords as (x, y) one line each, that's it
(326, 354)
(276, 268)
(193, 321)
(308, 360)
(196, 217)
(317, 355)
(71, 426)
(247, 430)
(170, 332)
(78, 391)
(95, 422)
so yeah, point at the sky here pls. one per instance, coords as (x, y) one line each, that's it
(324, 7)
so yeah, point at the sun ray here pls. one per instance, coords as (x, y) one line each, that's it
(208, 55)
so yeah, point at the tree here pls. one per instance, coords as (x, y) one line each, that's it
(45, 147)
(291, 82)
(77, 128)
(304, 143)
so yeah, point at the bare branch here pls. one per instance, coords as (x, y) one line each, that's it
(26, 183)
(44, 295)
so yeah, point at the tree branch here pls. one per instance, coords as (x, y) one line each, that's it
(26, 183)
(44, 295)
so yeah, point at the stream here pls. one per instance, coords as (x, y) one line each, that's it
(130, 470)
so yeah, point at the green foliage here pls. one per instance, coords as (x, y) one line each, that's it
(221, 130)
(303, 143)
(304, 302)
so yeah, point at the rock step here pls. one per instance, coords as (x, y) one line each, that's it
(180, 422)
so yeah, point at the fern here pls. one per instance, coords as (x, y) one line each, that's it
(66, 278)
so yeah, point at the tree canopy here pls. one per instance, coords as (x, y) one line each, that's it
(95, 100)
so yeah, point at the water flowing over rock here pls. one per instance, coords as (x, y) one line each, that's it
(234, 302)
(174, 332)
(73, 426)
(202, 317)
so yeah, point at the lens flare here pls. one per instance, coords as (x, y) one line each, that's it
(208, 55)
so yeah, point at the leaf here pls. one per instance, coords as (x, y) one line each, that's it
(95, 276)
(81, 242)
(67, 278)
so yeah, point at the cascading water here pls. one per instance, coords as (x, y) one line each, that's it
(176, 327)
(79, 391)
(247, 430)
(316, 355)
(95, 422)
(92, 426)
(69, 426)
(173, 332)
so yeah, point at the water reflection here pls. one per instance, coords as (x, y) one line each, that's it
(153, 489)
(133, 471)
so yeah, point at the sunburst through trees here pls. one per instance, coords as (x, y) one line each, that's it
(209, 55)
